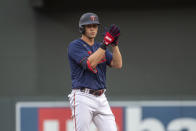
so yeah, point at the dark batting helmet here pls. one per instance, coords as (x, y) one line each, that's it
(87, 19)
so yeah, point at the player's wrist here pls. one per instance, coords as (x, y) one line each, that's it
(103, 46)
(114, 46)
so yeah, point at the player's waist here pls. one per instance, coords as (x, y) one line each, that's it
(94, 92)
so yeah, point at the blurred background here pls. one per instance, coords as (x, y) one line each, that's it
(157, 42)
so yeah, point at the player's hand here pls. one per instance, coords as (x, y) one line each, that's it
(115, 42)
(116, 39)
(111, 35)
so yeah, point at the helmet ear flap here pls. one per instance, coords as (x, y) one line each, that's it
(82, 29)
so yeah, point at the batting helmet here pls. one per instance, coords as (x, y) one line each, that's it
(86, 19)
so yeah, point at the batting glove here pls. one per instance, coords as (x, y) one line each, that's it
(110, 36)
(115, 42)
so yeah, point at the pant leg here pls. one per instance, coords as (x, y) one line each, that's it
(81, 112)
(104, 118)
(105, 122)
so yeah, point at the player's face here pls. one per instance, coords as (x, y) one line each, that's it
(91, 30)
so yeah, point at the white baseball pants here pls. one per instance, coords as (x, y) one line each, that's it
(87, 108)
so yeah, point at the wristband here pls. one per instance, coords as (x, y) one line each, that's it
(103, 46)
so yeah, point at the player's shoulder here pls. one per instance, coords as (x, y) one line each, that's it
(74, 43)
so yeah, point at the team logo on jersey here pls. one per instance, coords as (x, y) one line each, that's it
(92, 18)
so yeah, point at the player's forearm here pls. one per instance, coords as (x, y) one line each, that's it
(95, 58)
(117, 58)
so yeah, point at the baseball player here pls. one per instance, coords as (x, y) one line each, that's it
(88, 61)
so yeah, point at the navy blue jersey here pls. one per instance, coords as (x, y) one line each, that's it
(82, 77)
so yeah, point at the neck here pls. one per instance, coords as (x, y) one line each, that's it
(89, 41)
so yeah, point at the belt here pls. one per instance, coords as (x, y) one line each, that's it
(93, 92)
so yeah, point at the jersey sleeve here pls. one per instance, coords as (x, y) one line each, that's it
(80, 55)
(77, 52)
(108, 57)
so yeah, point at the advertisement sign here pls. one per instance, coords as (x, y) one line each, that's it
(130, 116)
(40, 116)
(156, 118)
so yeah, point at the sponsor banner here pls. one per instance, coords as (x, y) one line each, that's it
(130, 116)
(155, 118)
(49, 117)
